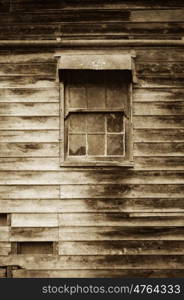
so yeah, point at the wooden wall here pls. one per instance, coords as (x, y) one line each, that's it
(57, 222)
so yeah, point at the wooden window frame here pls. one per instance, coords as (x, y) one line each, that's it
(78, 161)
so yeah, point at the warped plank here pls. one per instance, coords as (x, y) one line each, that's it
(120, 233)
(121, 248)
(29, 136)
(4, 233)
(159, 135)
(43, 262)
(29, 109)
(153, 205)
(159, 149)
(114, 219)
(23, 234)
(159, 122)
(98, 273)
(5, 248)
(34, 220)
(31, 94)
(27, 69)
(159, 163)
(29, 192)
(29, 122)
(28, 149)
(158, 108)
(158, 94)
(30, 163)
(119, 191)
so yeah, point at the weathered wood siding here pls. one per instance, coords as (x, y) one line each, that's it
(91, 223)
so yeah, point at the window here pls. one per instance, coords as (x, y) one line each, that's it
(95, 117)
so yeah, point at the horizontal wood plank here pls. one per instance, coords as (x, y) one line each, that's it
(29, 192)
(28, 149)
(159, 163)
(158, 108)
(34, 81)
(29, 122)
(152, 205)
(115, 219)
(48, 5)
(5, 248)
(30, 163)
(20, 273)
(29, 136)
(119, 191)
(158, 94)
(27, 69)
(43, 262)
(154, 122)
(159, 135)
(30, 94)
(29, 109)
(34, 220)
(23, 234)
(170, 15)
(121, 248)
(120, 233)
(99, 182)
(4, 233)
(167, 149)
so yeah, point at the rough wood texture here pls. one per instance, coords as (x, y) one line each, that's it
(116, 221)
(98, 273)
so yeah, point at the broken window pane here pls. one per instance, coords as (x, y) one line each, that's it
(77, 144)
(96, 144)
(115, 144)
(115, 122)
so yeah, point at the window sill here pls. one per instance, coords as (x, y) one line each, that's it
(125, 164)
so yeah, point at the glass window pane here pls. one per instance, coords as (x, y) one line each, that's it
(116, 96)
(96, 144)
(96, 97)
(77, 123)
(115, 144)
(95, 122)
(77, 144)
(77, 97)
(115, 122)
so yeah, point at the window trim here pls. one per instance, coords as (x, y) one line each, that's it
(79, 162)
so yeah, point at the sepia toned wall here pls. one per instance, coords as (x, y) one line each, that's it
(94, 222)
